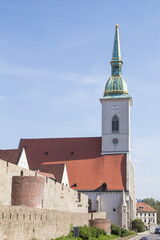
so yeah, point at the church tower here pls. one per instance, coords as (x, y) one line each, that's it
(116, 104)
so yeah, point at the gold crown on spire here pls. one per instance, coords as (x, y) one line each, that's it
(116, 25)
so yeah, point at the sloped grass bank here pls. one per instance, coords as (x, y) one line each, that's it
(94, 233)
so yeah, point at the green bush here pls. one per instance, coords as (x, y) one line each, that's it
(115, 229)
(124, 232)
(90, 232)
(85, 232)
(94, 233)
(138, 225)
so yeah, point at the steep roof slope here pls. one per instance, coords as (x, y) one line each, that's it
(90, 174)
(11, 155)
(60, 149)
(144, 207)
(55, 169)
(87, 169)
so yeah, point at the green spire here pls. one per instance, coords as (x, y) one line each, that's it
(116, 85)
(116, 61)
(116, 56)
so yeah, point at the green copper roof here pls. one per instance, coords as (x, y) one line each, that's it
(116, 85)
(116, 56)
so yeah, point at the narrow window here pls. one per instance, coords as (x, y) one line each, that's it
(89, 204)
(115, 124)
(79, 196)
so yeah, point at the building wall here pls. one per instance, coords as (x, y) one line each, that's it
(56, 196)
(65, 179)
(120, 107)
(28, 223)
(109, 202)
(130, 187)
(23, 160)
(147, 217)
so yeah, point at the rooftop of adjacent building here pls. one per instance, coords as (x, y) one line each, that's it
(144, 207)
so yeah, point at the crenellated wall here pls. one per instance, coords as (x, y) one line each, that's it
(27, 223)
(34, 190)
(53, 206)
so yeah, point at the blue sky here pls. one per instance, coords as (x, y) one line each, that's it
(54, 64)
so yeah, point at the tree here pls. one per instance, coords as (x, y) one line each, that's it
(138, 225)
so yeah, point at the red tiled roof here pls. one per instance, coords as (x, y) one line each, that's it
(56, 169)
(90, 174)
(85, 166)
(49, 175)
(60, 149)
(11, 155)
(144, 207)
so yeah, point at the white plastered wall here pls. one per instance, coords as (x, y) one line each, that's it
(23, 162)
(65, 179)
(130, 186)
(148, 218)
(109, 202)
(121, 108)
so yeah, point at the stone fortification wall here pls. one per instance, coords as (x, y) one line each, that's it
(55, 195)
(104, 224)
(7, 170)
(58, 196)
(94, 215)
(28, 191)
(27, 223)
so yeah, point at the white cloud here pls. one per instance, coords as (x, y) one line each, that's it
(151, 181)
(137, 160)
(31, 73)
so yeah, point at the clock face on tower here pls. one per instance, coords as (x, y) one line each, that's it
(115, 70)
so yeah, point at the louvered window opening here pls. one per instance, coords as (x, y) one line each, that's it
(115, 124)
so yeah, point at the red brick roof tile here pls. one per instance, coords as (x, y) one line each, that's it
(11, 155)
(56, 170)
(90, 174)
(85, 166)
(60, 149)
(144, 207)
(49, 175)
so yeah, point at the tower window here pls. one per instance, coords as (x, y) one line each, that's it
(115, 124)
(89, 204)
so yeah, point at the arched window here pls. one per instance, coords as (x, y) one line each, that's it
(89, 204)
(115, 124)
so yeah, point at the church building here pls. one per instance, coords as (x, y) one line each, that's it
(99, 167)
